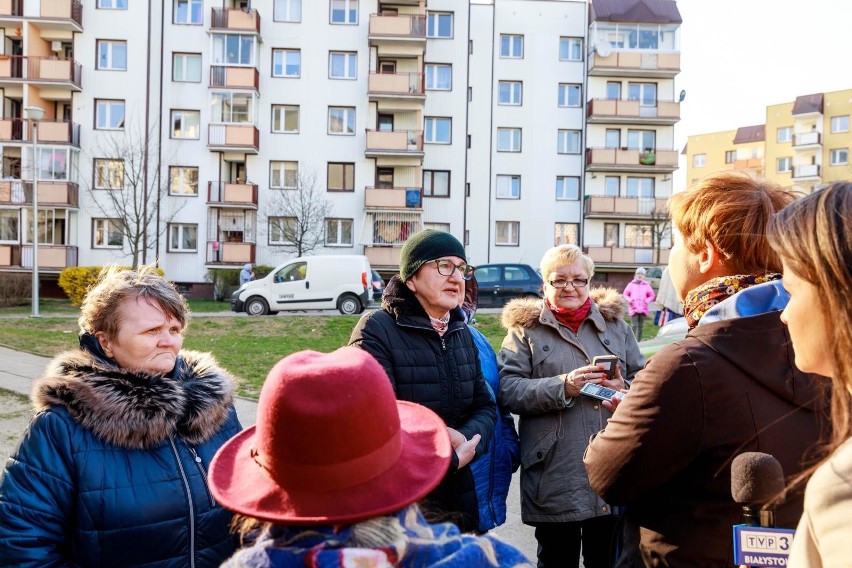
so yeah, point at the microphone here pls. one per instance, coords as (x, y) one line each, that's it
(757, 482)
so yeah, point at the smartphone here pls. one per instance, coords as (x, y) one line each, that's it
(608, 362)
(599, 392)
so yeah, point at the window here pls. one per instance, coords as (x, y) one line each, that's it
(338, 232)
(189, 12)
(342, 65)
(438, 130)
(567, 188)
(612, 186)
(233, 49)
(344, 12)
(784, 165)
(730, 156)
(436, 183)
(840, 123)
(112, 55)
(109, 115)
(9, 225)
(439, 77)
(568, 142)
(183, 180)
(785, 134)
(612, 138)
(52, 164)
(286, 63)
(109, 174)
(285, 119)
(232, 107)
(186, 67)
(106, 233)
(50, 226)
(570, 95)
(638, 235)
(112, 4)
(570, 49)
(641, 139)
(699, 160)
(839, 157)
(506, 233)
(183, 238)
(613, 90)
(640, 187)
(610, 234)
(341, 177)
(287, 11)
(437, 226)
(566, 234)
(512, 46)
(439, 25)
(281, 230)
(341, 120)
(508, 187)
(283, 175)
(508, 139)
(645, 93)
(186, 124)
(509, 93)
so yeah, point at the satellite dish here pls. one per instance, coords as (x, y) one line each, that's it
(682, 96)
(603, 48)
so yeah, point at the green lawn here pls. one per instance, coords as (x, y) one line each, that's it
(54, 306)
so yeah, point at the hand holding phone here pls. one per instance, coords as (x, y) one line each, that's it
(599, 392)
(608, 364)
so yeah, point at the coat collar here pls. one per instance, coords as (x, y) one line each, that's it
(607, 306)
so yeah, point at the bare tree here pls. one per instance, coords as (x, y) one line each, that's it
(661, 230)
(297, 216)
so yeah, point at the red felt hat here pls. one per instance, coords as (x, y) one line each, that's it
(331, 446)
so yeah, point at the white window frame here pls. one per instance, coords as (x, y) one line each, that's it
(644, 232)
(232, 107)
(516, 93)
(185, 67)
(279, 117)
(281, 63)
(112, 4)
(347, 120)
(507, 46)
(287, 11)
(509, 139)
(221, 52)
(640, 187)
(840, 123)
(185, 116)
(645, 93)
(104, 229)
(10, 221)
(53, 163)
(180, 174)
(104, 111)
(348, 7)
(507, 187)
(278, 227)
(189, 12)
(106, 55)
(839, 157)
(784, 165)
(568, 142)
(335, 232)
(559, 234)
(784, 134)
(641, 139)
(573, 46)
(699, 161)
(430, 132)
(283, 174)
(437, 71)
(564, 184)
(512, 230)
(350, 64)
(181, 228)
(108, 173)
(565, 98)
(433, 25)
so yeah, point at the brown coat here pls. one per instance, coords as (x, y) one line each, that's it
(729, 387)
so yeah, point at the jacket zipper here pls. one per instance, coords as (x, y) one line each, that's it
(200, 465)
(191, 508)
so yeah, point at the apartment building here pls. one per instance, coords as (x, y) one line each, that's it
(803, 144)
(225, 127)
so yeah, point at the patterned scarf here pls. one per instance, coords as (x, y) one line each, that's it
(571, 318)
(701, 299)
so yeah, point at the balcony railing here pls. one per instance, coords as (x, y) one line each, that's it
(44, 69)
(14, 8)
(626, 255)
(50, 257)
(235, 19)
(53, 193)
(631, 160)
(663, 111)
(808, 171)
(386, 256)
(62, 10)
(225, 252)
(395, 84)
(624, 206)
(233, 136)
(10, 255)
(396, 141)
(398, 26)
(662, 64)
(393, 197)
(748, 163)
(234, 77)
(807, 139)
(232, 193)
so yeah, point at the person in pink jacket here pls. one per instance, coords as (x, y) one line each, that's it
(639, 294)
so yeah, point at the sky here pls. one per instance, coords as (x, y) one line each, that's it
(740, 56)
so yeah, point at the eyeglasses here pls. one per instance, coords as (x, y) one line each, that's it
(576, 283)
(447, 268)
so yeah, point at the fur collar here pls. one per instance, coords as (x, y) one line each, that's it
(139, 410)
(527, 312)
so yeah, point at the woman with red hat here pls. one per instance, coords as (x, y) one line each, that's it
(331, 471)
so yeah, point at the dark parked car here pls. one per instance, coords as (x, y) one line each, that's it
(499, 283)
(378, 286)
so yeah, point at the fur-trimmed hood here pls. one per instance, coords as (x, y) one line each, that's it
(526, 312)
(138, 410)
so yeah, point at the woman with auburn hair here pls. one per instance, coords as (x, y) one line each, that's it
(812, 237)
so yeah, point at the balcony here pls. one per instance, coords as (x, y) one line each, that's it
(807, 140)
(641, 208)
(235, 20)
(49, 131)
(44, 71)
(393, 198)
(240, 137)
(395, 85)
(234, 77)
(749, 164)
(808, 172)
(50, 257)
(632, 112)
(636, 64)
(627, 160)
(232, 194)
(383, 257)
(627, 257)
(50, 193)
(53, 15)
(403, 143)
(398, 34)
(230, 253)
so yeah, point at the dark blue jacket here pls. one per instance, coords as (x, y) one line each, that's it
(112, 469)
(492, 473)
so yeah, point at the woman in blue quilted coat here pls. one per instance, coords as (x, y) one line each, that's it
(112, 469)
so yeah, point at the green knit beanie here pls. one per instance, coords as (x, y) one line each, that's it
(427, 245)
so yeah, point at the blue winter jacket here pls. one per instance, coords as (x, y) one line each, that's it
(112, 469)
(492, 472)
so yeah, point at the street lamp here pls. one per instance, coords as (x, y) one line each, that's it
(35, 113)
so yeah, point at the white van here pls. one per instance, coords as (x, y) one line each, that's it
(309, 283)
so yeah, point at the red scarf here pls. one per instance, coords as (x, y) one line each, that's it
(571, 318)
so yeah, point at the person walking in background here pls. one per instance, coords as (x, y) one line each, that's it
(112, 469)
(330, 481)
(246, 274)
(545, 360)
(639, 295)
(421, 339)
(812, 237)
(729, 387)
